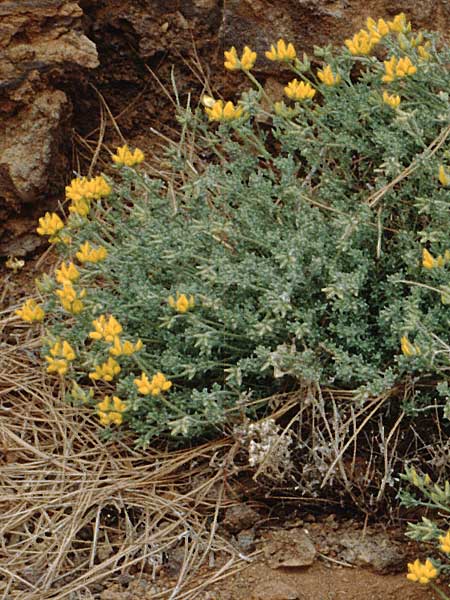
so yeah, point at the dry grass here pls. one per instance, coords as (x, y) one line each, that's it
(75, 510)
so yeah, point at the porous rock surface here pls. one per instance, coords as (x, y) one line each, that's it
(41, 46)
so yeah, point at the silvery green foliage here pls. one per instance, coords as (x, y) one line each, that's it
(303, 257)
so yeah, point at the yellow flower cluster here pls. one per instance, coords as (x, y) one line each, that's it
(443, 177)
(396, 68)
(106, 371)
(125, 158)
(83, 190)
(379, 27)
(429, 262)
(399, 24)
(182, 303)
(422, 50)
(61, 353)
(224, 112)
(234, 63)
(363, 42)
(421, 572)
(392, 100)
(327, 76)
(444, 541)
(105, 329)
(30, 311)
(281, 52)
(126, 348)
(156, 386)
(50, 224)
(87, 253)
(67, 273)
(299, 91)
(111, 412)
(70, 299)
(409, 349)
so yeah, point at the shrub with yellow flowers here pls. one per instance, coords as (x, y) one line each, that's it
(421, 491)
(311, 247)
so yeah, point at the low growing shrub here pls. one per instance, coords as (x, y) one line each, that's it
(311, 247)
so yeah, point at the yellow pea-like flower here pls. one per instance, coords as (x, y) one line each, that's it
(50, 224)
(105, 329)
(106, 371)
(281, 52)
(391, 100)
(327, 76)
(299, 91)
(408, 348)
(443, 177)
(124, 156)
(421, 572)
(67, 272)
(181, 303)
(31, 312)
(399, 24)
(224, 112)
(158, 384)
(380, 26)
(234, 63)
(444, 541)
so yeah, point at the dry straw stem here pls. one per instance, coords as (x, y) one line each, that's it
(58, 483)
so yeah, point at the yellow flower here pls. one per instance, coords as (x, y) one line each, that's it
(445, 542)
(70, 300)
(282, 51)
(62, 349)
(443, 177)
(124, 157)
(362, 42)
(221, 112)
(405, 67)
(50, 224)
(182, 303)
(422, 50)
(421, 572)
(104, 329)
(57, 365)
(158, 384)
(89, 189)
(391, 100)
(398, 68)
(120, 348)
(30, 311)
(106, 371)
(61, 353)
(111, 413)
(429, 262)
(87, 253)
(67, 272)
(327, 76)
(409, 349)
(380, 26)
(299, 90)
(245, 63)
(399, 24)
(80, 206)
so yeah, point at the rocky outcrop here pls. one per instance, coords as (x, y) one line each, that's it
(41, 47)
